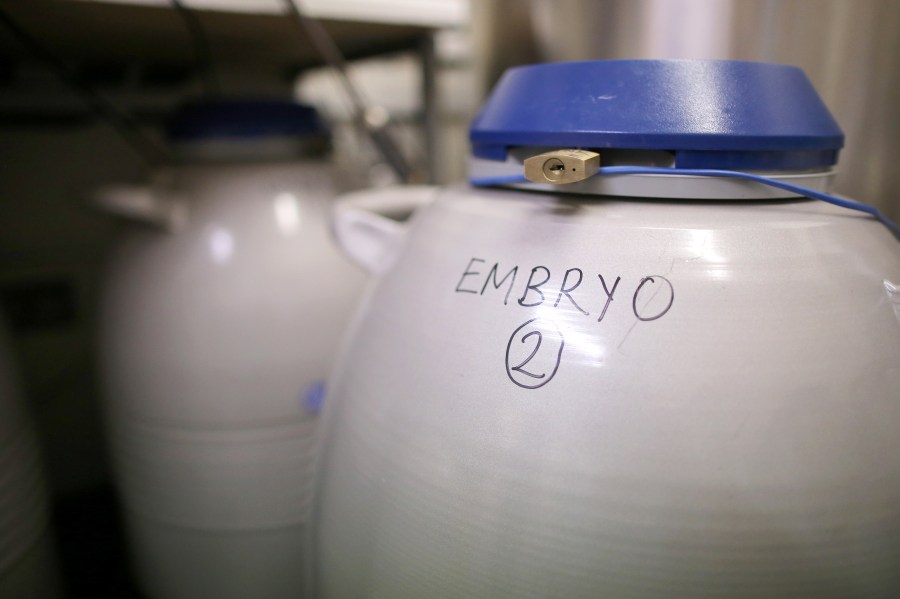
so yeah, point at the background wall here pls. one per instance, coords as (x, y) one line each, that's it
(52, 246)
(850, 51)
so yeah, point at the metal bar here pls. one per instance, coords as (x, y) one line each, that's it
(430, 108)
(375, 128)
(202, 49)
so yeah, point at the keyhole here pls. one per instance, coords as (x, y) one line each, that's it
(554, 169)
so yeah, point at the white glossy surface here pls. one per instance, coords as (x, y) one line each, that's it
(745, 443)
(369, 225)
(219, 479)
(228, 320)
(175, 562)
(215, 335)
(425, 13)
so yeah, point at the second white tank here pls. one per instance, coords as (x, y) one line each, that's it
(220, 321)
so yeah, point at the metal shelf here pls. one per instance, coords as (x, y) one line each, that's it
(110, 33)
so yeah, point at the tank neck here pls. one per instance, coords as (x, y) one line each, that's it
(667, 183)
(270, 149)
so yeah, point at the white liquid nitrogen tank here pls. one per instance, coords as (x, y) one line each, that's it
(221, 316)
(633, 358)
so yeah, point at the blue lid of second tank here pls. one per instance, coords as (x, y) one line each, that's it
(243, 120)
(710, 113)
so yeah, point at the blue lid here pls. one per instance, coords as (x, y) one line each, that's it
(710, 113)
(243, 120)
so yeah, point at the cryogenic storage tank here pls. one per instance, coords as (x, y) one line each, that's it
(633, 358)
(222, 312)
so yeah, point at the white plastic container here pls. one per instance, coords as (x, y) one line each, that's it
(219, 326)
(555, 394)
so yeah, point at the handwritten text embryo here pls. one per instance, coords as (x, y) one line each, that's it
(534, 350)
(479, 278)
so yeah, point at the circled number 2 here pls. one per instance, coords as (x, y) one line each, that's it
(538, 366)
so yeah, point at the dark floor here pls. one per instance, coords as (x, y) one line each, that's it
(91, 546)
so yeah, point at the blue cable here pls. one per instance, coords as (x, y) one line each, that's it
(649, 170)
(500, 180)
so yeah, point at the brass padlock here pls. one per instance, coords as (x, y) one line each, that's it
(562, 166)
